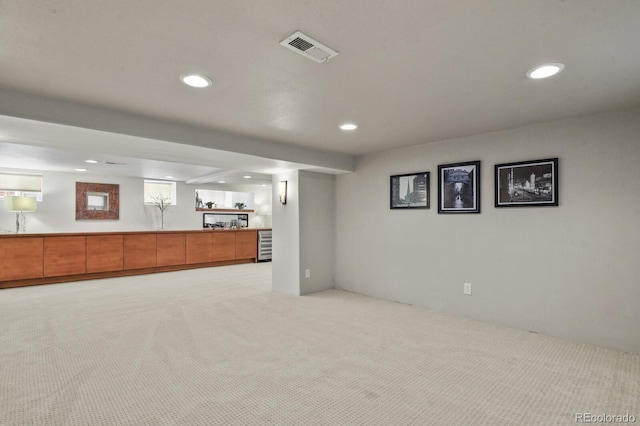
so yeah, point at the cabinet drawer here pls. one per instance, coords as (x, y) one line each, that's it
(20, 258)
(104, 253)
(139, 251)
(65, 256)
(171, 249)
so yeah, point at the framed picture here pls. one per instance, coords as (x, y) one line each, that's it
(527, 183)
(459, 187)
(410, 191)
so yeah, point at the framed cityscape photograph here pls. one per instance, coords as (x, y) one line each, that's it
(459, 187)
(527, 183)
(410, 191)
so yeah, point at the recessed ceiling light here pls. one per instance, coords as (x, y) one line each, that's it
(168, 177)
(544, 71)
(196, 80)
(264, 184)
(247, 177)
(91, 161)
(81, 170)
(222, 181)
(348, 126)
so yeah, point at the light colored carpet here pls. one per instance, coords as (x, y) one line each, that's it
(217, 347)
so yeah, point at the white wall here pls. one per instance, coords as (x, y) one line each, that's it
(317, 224)
(570, 271)
(303, 233)
(285, 269)
(56, 213)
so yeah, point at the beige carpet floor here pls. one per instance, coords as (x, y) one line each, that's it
(217, 347)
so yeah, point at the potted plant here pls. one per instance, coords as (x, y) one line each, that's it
(240, 205)
(210, 204)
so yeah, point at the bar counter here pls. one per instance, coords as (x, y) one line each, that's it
(33, 259)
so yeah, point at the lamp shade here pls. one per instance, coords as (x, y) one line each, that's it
(20, 204)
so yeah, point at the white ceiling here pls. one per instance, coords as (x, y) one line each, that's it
(409, 72)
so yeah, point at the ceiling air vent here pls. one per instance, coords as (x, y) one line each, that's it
(308, 47)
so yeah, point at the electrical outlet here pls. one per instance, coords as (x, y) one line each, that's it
(307, 273)
(467, 289)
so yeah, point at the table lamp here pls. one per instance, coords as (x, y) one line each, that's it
(19, 205)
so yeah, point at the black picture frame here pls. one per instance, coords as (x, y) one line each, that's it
(415, 196)
(527, 183)
(459, 188)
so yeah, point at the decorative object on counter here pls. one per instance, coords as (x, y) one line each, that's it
(527, 183)
(459, 187)
(20, 205)
(282, 188)
(97, 201)
(161, 202)
(240, 205)
(410, 191)
(199, 203)
(210, 204)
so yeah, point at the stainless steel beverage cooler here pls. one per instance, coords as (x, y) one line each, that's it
(264, 246)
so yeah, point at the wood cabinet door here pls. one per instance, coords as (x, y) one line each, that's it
(65, 255)
(139, 251)
(223, 246)
(199, 247)
(20, 258)
(247, 245)
(170, 249)
(104, 253)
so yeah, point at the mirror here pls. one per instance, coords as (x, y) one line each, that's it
(98, 201)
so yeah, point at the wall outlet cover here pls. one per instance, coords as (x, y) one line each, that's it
(467, 288)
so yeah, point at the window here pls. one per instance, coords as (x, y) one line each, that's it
(21, 185)
(155, 189)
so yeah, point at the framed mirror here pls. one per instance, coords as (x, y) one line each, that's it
(97, 201)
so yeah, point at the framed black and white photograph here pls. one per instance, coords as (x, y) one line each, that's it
(527, 183)
(459, 187)
(410, 191)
